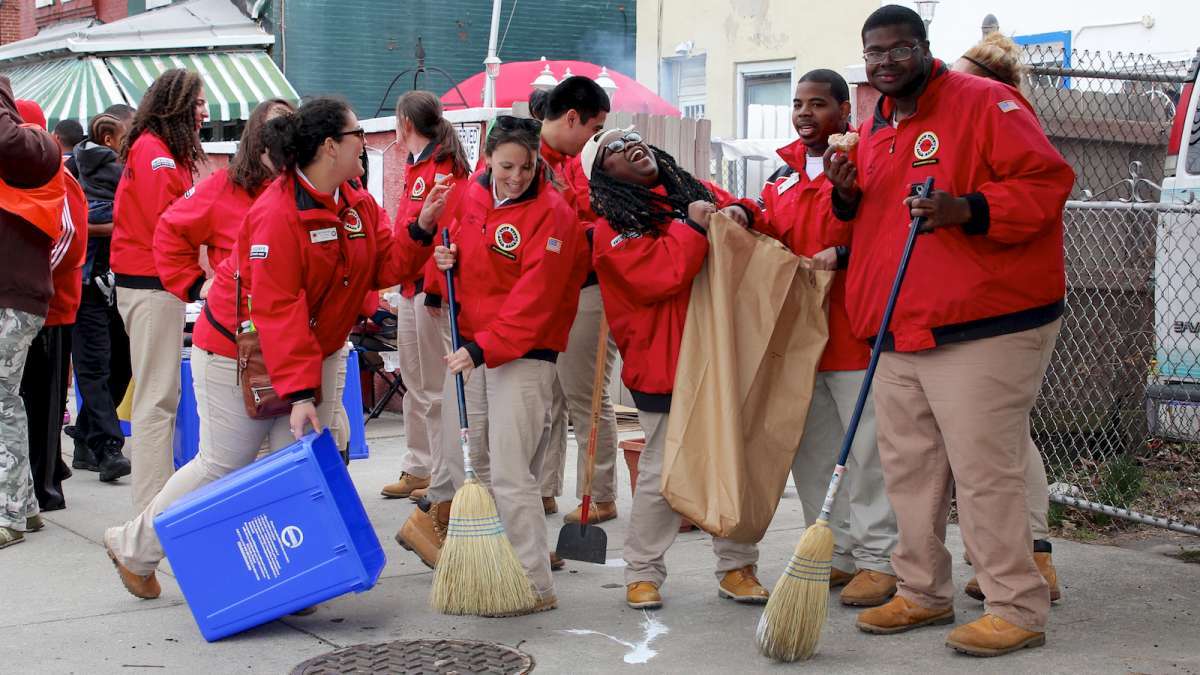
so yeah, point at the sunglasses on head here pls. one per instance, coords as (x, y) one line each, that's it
(510, 122)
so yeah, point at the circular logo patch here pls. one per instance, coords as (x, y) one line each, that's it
(926, 146)
(418, 188)
(351, 221)
(508, 238)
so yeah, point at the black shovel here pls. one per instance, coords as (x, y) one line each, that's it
(584, 542)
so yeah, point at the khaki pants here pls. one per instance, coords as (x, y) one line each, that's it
(508, 411)
(422, 340)
(653, 525)
(229, 440)
(1037, 488)
(864, 526)
(576, 370)
(154, 321)
(955, 419)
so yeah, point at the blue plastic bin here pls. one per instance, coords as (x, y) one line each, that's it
(279, 535)
(187, 420)
(352, 401)
(126, 430)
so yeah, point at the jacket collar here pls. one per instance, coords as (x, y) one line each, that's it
(794, 154)
(484, 179)
(430, 148)
(885, 106)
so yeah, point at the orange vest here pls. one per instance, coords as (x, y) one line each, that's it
(41, 206)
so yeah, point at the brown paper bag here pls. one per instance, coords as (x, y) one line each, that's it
(756, 328)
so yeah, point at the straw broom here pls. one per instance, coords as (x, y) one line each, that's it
(790, 626)
(477, 572)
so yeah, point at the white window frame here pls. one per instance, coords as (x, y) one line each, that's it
(759, 68)
(152, 4)
(38, 4)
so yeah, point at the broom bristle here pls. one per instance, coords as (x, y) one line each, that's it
(478, 572)
(790, 626)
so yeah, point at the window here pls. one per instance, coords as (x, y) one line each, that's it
(684, 85)
(42, 3)
(764, 99)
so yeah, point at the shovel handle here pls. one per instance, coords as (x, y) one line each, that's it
(597, 396)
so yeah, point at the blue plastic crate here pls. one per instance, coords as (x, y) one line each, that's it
(186, 442)
(279, 535)
(353, 403)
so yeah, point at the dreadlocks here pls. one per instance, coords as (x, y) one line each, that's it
(168, 111)
(632, 208)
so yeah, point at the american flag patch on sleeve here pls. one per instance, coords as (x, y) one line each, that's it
(554, 245)
(1008, 106)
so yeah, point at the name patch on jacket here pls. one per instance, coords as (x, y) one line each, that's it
(190, 191)
(323, 235)
(162, 163)
(784, 184)
(259, 251)
(623, 236)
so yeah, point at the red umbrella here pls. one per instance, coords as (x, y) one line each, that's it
(516, 82)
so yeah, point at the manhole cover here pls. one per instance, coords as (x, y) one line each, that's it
(460, 657)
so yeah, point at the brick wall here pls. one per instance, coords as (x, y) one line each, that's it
(111, 10)
(59, 12)
(17, 21)
(379, 36)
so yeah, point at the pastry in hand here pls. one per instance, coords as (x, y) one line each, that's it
(844, 142)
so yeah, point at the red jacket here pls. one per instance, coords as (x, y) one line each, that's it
(304, 271)
(520, 267)
(68, 256)
(209, 214)
(420, 175)
(570, 181)
(1001, 272)
(798, 212)
(646, 283)
(152, 180)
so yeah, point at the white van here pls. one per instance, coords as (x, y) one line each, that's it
(1174, 393)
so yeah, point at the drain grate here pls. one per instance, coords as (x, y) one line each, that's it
(458, 657)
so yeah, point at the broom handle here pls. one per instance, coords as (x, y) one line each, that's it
(456, 344)
(597, 395)
(865, 389)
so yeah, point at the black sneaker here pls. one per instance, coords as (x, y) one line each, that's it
(113, 465)
(84, 459)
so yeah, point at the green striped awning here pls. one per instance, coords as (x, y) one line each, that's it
(71, 88)
(234, 82)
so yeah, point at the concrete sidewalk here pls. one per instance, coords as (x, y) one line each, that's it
(64, 610)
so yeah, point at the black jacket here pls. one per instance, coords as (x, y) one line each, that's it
(99, 170)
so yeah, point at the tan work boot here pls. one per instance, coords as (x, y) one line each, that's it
(404, 487)
(145, 587)
(1045, 565)
(418, 494)
(741, 585)
(424, 533)
(839, 578)
(598, 512)
(899, 615)
(549, 505)
(643, 595)
(869, 589)
(989, 635)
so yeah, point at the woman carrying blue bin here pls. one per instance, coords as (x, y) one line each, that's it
(310, 248)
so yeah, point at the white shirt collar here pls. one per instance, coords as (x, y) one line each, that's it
(497, 202)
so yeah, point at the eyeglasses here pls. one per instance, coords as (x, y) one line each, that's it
(511, 122)
(622, 144)
(874, 57)
(357, 131)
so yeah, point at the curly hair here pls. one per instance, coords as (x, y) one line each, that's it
(246, 169)
(632, 208)
(168, 111)
(999, 57)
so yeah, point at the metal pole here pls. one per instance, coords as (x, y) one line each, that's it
(489, 83)
(1126, 514)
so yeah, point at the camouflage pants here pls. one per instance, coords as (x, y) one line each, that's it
(17, 501)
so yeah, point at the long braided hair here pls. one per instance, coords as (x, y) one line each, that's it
(167, 110)
(636, 209)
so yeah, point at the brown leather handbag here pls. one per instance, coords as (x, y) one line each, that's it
(260, 398)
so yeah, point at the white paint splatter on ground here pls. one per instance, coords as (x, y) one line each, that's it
(639, 652)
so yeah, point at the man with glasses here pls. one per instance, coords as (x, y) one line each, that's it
(973, 328)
